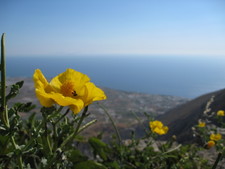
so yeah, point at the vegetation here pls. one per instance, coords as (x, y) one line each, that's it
(55, 140)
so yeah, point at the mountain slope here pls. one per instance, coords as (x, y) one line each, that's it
(182, 118)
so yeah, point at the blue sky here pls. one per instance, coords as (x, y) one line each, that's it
(110, 27)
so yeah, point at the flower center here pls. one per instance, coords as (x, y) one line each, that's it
(67, 89)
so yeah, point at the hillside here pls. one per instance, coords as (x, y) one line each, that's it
(182, 118)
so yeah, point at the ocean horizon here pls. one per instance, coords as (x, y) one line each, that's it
(187, 77)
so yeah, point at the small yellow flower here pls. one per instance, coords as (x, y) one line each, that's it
(158, 127)
(215, 137)
(210, 144)
(220, 113)
(201, 124)
(70, 88)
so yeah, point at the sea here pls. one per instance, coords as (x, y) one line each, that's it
(183, 76)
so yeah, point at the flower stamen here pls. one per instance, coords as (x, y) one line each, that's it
(67, 89)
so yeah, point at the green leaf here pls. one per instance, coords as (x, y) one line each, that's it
(170, 156)
(14, 90)
(21, 107)
(3, 144)
(76, 156)
(31, 120)
(48, 110)
(112, 165)
(20, 84)
(89, 165)
(2, 128)
(80, 138)
(99, 147)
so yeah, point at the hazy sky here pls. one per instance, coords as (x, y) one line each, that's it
(104, 27)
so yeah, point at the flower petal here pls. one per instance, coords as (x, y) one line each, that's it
(215, 137)
(165, 129)
(156, 123)
(69, 75)
(210, 144)
(44, 98)
(39, 79)
(42, 89)
(93, 94)
(159, 131)
(76, 105)
(158, 127)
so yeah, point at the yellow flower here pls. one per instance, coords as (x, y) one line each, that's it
(201, 124)
(210, 144)
(220, 113)
(215, 137)
(158, 127)
(70, 88)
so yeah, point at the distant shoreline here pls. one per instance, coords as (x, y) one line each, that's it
(184, 77)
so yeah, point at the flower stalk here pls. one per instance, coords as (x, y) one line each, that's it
(64, 115)
(84, 114)
(114, 126)
(46, 133)
(219, 157)
(4, 110)
(86, 126)
(68, 139)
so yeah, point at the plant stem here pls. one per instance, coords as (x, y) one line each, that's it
(46, 133)
(114, 126)
(27, 146)
(15, 146)
(68, 139)
(67, 111)
(139, 120)
(217, 160)
(4, 112)
(86, 125)
(117, 132)
(20, 162)
(54, 125)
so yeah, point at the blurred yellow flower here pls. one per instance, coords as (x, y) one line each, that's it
(215, 137)
(220, 113)
(158, 127)
(70, 88)
(210, 144)
(201, 124)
